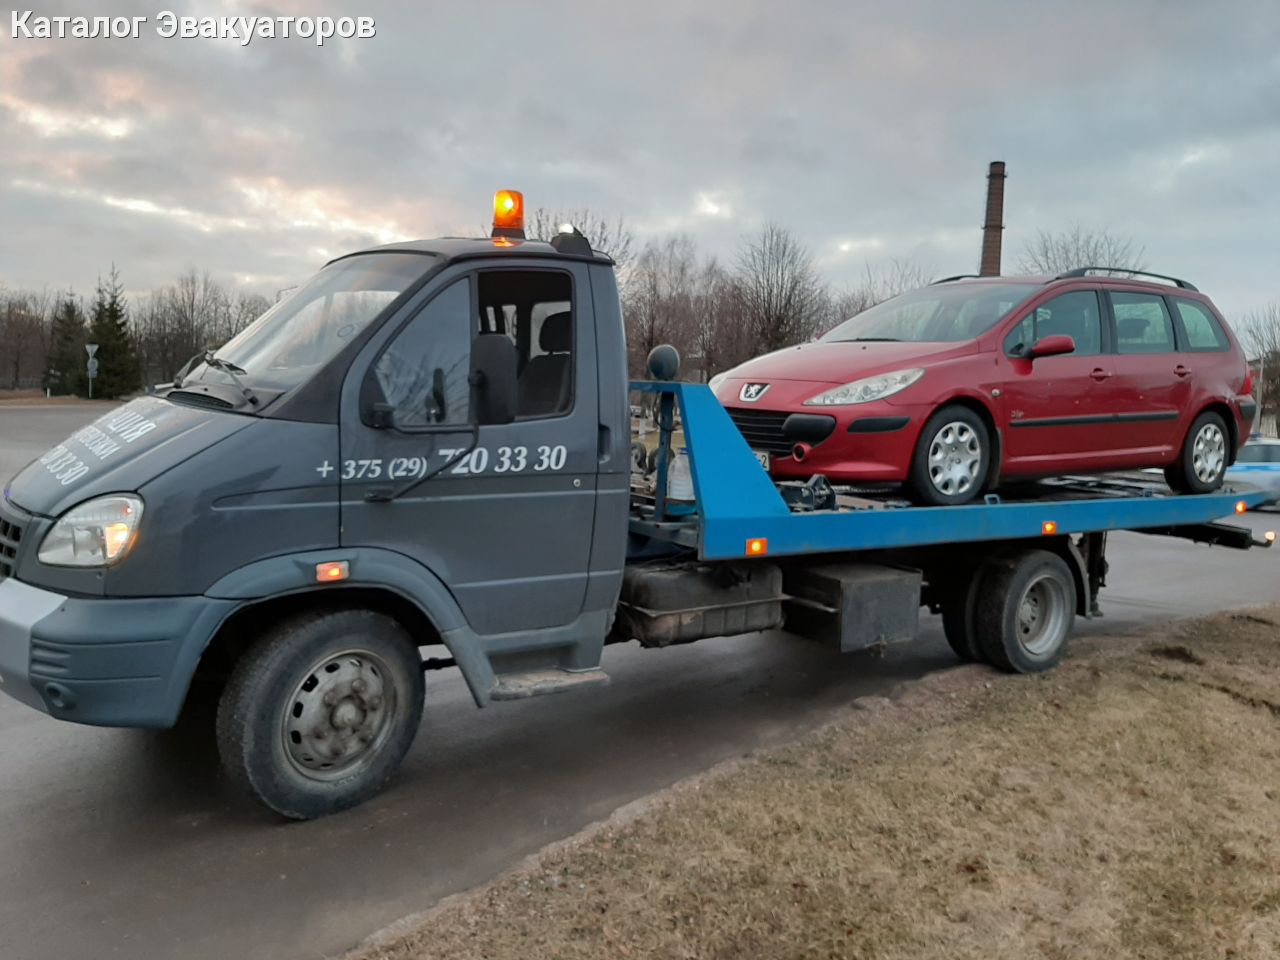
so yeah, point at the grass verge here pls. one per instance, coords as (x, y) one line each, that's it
(1126, 804)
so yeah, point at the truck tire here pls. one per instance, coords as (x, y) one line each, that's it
(320, 711)
(952, 459)
(1202, 461)
(1025, 611)
(960, 615)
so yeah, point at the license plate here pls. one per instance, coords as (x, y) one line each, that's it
(763, 457)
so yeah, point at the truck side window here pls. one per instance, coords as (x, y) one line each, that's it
(423, 372)
(535, 309)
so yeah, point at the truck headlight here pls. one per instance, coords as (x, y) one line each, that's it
(867, 389)
(96, 533)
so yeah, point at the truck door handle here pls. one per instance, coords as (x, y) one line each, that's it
(1100, 374)
(1182, 371)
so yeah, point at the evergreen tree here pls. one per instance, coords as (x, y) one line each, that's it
(119, 372)
(66, 371)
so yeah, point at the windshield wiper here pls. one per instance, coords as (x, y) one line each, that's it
(232, 371)
(873, 340)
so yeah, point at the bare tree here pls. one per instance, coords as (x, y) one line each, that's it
(1260, 336)
(1077, 246)
(24, 336)
(878, 284)
(783, 298)
(606, 234)
(659, 300)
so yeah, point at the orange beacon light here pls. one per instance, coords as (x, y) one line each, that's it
(508, 214)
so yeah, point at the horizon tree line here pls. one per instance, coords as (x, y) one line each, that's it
(718, 313)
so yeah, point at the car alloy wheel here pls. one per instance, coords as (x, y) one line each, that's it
(1209, 453)
(955, 458)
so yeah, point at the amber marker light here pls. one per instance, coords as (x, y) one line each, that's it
(757, 546)
(508, 213)
(1049, 527)
(333, 571)
(1241, 506)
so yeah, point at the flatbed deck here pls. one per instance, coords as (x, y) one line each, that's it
(739, 511)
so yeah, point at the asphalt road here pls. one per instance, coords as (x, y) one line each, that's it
(126, 843)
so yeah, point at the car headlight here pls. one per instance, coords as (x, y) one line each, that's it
(866, 390)
(96, 533)
(718, 379)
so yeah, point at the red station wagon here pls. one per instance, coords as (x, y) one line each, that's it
(969, 382)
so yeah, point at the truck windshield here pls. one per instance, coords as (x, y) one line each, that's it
(945, 313)
(306, 329)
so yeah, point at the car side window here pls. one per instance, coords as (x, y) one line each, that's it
(424, 372)
(1143, 324)
(1074, 314)
(1200, 328)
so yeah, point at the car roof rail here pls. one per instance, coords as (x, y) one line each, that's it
(958, 276)
(1084, 272)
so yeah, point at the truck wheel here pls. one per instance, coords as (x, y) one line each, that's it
(952, 458)
(960, 616)
(1025, 610)
(320, 711)
(1202, 462)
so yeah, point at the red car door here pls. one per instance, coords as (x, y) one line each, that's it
(1058, 410)
(1154, 384)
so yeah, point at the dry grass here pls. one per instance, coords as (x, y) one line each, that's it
(1124, 805)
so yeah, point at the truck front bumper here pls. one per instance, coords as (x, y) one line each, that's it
(107, 662)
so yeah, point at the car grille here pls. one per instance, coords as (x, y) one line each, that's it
(10, 537)
(762, 429)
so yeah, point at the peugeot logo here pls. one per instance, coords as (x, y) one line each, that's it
(751, 392)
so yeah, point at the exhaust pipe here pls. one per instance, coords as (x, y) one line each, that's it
(800, 451)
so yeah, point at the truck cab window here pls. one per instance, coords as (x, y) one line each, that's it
(423, 373)
(535, 309)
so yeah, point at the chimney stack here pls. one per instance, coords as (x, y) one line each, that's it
(994, 225)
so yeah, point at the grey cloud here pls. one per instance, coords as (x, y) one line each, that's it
(846, 122)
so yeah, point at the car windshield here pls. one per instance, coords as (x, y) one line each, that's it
(943, 313)
(302, 332)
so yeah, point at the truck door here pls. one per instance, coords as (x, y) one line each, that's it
(502, 514)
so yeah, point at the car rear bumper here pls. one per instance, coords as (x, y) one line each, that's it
(105, 662)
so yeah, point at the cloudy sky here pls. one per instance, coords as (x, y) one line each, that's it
(865, 128)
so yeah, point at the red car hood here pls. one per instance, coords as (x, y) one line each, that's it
(841, 362)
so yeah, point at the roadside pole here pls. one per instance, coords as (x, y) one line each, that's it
(92, 369)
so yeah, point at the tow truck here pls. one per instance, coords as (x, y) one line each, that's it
(422, 459)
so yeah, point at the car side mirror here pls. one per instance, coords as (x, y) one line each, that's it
(1053, 345)
(493, 379)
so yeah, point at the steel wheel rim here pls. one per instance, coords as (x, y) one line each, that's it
(1042, 616)
(1209, 453)
(955, 457)
(339, 716)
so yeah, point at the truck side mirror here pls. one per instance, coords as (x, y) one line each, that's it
(493, 379)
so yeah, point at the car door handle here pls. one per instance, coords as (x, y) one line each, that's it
(1100, 374)
(1182, 371)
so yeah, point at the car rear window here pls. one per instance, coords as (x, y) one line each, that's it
(1200, 328)
(1143, 324)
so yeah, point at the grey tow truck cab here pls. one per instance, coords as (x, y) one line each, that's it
(423, 458)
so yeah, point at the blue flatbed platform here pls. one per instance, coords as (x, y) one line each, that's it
(736, 503)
